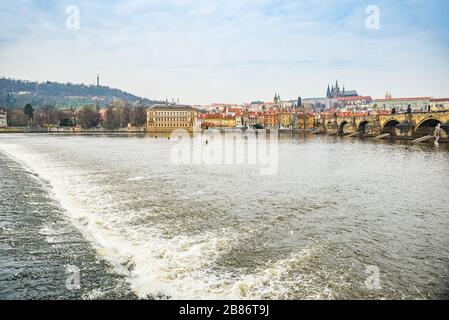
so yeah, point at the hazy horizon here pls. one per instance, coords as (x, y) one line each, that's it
(221, 51)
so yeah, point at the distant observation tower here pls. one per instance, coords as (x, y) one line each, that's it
(98, 80)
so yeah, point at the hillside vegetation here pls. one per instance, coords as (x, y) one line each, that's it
(17, 93)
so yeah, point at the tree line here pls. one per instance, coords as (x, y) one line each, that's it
(115, 116)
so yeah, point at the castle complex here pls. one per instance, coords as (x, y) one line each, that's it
(335, 92)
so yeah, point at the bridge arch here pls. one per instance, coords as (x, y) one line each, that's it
(389, 126)
(341, 127)
(362, 126)
(445, 127)
(330, 124)
(427, 127)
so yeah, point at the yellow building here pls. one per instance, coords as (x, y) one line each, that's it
(167, 118)
(304, 121)
(218, 120)
(285, 119)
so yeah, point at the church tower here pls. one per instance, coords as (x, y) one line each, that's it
(277, 99)
(337, 90)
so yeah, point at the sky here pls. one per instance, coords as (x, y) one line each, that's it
(231, 51)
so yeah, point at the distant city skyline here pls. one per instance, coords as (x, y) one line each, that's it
(230, 52)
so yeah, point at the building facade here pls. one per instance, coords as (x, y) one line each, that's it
(439, 104)
(238, 120)
(285, 119)
(303, 121)
(319, 103)
(3, 119)
(251, 119)
(270, 119)
(353, 103)
(401, 104)
(218, 120)
(167, 118)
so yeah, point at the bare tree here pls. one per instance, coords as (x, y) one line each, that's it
(88, 117)
(125, 116)
(16, 118)
(111, 120)
(139, 116)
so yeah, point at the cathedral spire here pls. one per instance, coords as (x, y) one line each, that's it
(277, 99)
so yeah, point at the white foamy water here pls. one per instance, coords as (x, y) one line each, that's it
(228, 233)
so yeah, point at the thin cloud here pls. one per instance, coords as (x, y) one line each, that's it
(246, 49)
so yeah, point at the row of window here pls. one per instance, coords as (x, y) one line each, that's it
(172, 125)
(173, 113)
(170, 119)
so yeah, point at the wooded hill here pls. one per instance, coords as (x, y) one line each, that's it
(17, 93)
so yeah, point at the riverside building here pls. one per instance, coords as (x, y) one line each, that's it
(218, 120)
(401, 104)
(3, 119)
(167, 118)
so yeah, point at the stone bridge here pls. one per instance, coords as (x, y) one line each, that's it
(414, 125)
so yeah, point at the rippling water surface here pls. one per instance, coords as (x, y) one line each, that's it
(138, 226)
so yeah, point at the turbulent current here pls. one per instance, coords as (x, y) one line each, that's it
(341, 219)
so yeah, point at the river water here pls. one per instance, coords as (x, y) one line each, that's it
(341, 219)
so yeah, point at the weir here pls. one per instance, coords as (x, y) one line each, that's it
(382, 136)
(422, 139)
